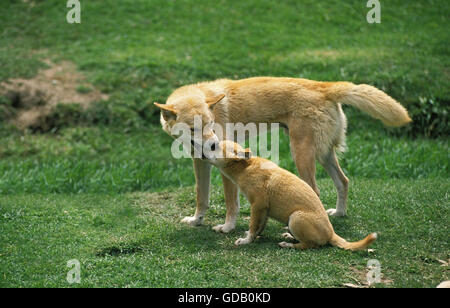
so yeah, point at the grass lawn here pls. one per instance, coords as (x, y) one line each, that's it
(114, 201)
(136, 240)
(109, 194)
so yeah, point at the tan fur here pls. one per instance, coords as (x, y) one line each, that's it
(444, 285)
(279, 194)
(311, 111)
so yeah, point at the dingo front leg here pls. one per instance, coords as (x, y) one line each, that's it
(258, 219)
(232, 203)
(202, 177)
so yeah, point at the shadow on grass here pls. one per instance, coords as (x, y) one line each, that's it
(117, 250)
(190, 240)
(341, 224)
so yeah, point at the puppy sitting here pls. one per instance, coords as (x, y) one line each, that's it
(275, 192)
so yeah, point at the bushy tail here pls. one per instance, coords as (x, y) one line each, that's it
(372, 101)
(338, 241)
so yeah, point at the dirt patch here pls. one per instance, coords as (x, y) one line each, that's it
(29, 2)
(33, 99)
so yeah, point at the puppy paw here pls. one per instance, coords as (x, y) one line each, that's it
(285, 245)
(225, 228)
(336, 213)
(287, 236)
(192, 221)
(242, 241)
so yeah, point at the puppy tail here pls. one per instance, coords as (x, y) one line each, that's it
(338, 241)
(370, 100)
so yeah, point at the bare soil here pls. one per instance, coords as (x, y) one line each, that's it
(35, 98)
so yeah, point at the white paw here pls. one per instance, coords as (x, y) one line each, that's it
(242, 241)
(285, 245)
(287, 236)
(225, 228)
(192, 221)
(334, 212)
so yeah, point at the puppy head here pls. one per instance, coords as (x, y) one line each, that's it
(228, 153)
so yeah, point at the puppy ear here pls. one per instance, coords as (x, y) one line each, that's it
(168, 112)
(248, 153)
(212, 101)
(245, 154)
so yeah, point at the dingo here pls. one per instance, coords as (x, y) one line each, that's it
(310, 111)
(275, 192)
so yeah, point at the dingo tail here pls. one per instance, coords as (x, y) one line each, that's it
(372, 101)
(338, 241)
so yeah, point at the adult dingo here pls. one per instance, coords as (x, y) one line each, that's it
(310, 110)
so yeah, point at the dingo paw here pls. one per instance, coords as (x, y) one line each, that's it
(287, 236)
(192, 221)
(285, 245)
(336, 213)
(225, 228)
(242, 241)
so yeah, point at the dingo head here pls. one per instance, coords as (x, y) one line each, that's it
(195, 112)
(229, 152)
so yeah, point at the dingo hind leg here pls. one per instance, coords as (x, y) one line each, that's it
(288, 236)
(300, 246)
(304, 154)
(331, 165)
(307, 230)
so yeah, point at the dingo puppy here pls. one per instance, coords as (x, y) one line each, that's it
(277, 193)
(310, 111)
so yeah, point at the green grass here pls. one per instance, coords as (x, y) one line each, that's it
(108, 192)
(136, 240)
(140, 50)
(105, 159)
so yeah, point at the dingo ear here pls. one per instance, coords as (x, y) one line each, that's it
(168, 111)
(212, 101)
